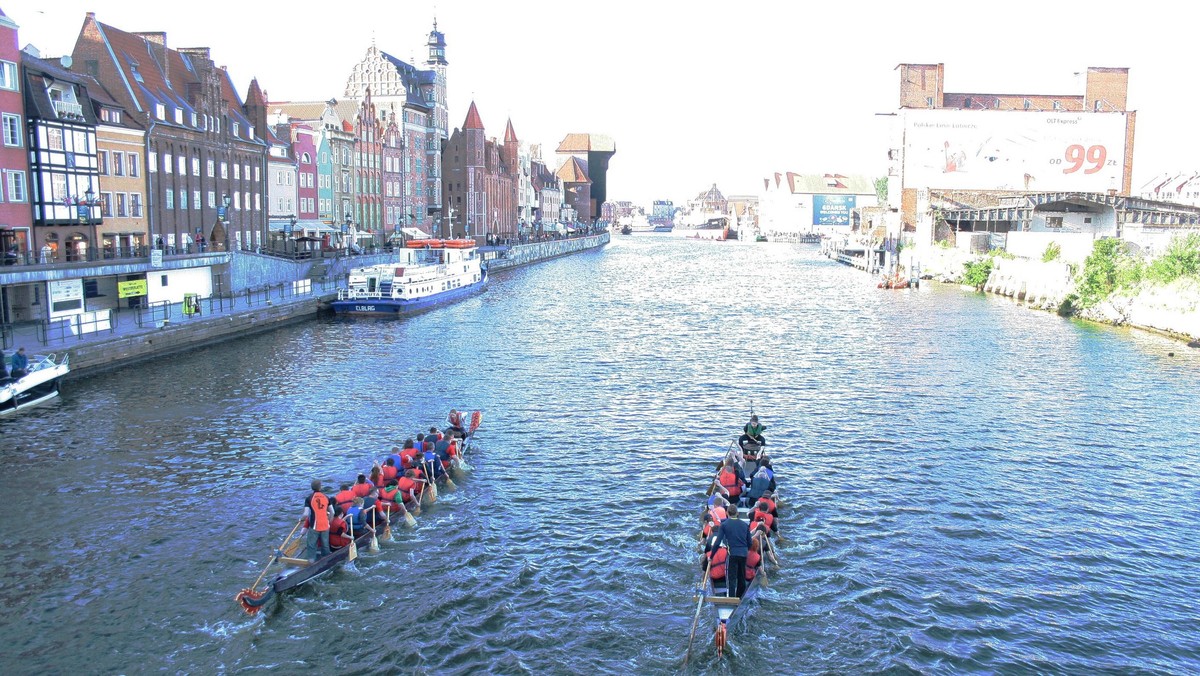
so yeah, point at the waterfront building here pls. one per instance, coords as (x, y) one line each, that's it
(744, 208)
(419, 98)
(591, 154)
(282, 172)
(304, 149)
(527, 201)
(977, 145)
(662, 212)
(368, 160)
(63, 161)
(577, 190)
(396, 215)
(198, 137)
(1180, 187)
(480, 181)
(548, 189)
(16, 220)
(333, 121)
(792, 203)
(121, 144)
(614, 211)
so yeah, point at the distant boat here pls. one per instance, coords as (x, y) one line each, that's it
(705, 225)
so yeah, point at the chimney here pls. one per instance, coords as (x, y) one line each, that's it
(157, 37)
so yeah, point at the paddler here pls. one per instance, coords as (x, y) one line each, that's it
(752, 432)
(317, 515)
(456, 428)
(736, 534)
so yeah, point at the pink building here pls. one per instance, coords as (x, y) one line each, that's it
(16, 219)
(304, 149)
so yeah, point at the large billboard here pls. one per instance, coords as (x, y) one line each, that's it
(1013, 150)
(833, 209)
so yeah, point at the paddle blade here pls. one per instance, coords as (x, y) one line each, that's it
(409, 520)
(353, 551)
(374, 543)
(450, 485)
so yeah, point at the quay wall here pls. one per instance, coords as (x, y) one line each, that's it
(189, 334)
(525, 254)
(250, 270)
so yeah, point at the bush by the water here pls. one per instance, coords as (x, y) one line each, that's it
(1107, 269)
(1182, 259)
(977, 272)
(1052, 252)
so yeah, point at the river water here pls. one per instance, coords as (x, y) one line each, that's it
(970, 486)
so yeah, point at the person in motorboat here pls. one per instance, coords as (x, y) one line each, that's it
(736, 534)
(752, 432)
(317, 515)
(20, 364)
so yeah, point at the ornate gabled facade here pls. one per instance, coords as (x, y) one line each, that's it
(418, 96)
(368, 161)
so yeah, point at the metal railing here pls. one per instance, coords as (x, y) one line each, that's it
(76, 326)
(6, 336)
(152, 314)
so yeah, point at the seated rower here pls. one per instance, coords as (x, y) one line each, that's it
(753, 559)
(760, 483)
(433, 436)
(372, 516)
(456, 428)
(765, 463)
(357, 517)
(729, 483)
(344, 497)
(714, 560)
(762, 521)
(339, 531)
(390, 499)
(768, 499)
(376, 477)
(390, 470)
(712, 519)
(408, 457)
(442, 450)
(433, 463)
(361, 487)
(397, 461)
(752, 436)
(409, 488)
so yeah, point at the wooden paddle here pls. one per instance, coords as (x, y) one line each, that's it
(353, 546)
(374, 545)
(699, 607)
(275, 556)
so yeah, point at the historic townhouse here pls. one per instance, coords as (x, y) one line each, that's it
(205, 160)
(547, 187)
(336, 148)
(368, 160)
(394, 209)
(63, 162)
(121, 144)
(480, 181)
(304, 149)
(418, 97)
(15, 217)
(282, 188)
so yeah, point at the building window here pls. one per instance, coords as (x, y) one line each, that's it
(212, 199)
(168, 165)
(152, 162)
(12, 130)
(182, 165)
(1054, 221)
(237, 201)
(179, 116)
(16, 186)
(195, 199)
(160, 111)
(183, 198)
(169, 199)
(1057, 105)
(135, 204)
(122, 205)
(106, 204)
(8, 75)
(257, 177)
(210, 168)
(195, 166)
(224, 170)
(118, 164)
(195, 120)
(246, 171)
(235, 128)
(257, 202)
(54, 138)
(102, 162)
(133, 164)
(237, 172)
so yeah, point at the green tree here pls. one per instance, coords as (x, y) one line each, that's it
(881, 190)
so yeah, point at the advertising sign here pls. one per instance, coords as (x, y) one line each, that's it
(134, 287)
(833, 209)
(66, 297)
(1014, 150)
(156, 258)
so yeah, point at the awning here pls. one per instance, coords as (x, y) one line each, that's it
(308, 225)
(413, 233)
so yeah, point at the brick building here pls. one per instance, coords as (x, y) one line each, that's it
(481, 181)
(368, 170)
(987, 143)
(15, 218)
(199, 140)
(395, 215)
(589, 154)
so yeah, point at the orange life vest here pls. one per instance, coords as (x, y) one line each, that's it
(770, 505)
(389, 473)
(717, 570)
(361, 490)
(337, 533)
(407, 456)
(406, 485)
(762, 517)
(344, 498)
(319, 504)
(752, 560)
(730, 482)
(718, 514)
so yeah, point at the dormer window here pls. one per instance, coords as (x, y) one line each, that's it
(160, 111)
(195, 120)
(64, 102)
(179, 116)
(250, 132)
(235, 128)
(133, 68)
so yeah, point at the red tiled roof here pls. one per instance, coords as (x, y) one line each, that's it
(473, 120)
(572, 171)
(510, 136)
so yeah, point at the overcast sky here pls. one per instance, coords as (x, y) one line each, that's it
(693, 93)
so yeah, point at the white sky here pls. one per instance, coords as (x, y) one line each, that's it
(692, 92)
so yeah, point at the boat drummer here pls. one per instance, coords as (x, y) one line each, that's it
(752, 432)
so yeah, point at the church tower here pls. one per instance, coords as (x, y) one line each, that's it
(437, 63)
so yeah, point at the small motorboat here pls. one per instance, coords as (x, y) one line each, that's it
(40, 382)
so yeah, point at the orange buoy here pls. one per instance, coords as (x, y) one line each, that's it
(416, 243)
(460, 243)
(719, 639)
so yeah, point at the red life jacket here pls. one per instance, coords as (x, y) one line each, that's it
(453, 451)
(770, 505)
(361, 490)
(389, 473)
(406, 485)
(718, 514)
(762, 517)
(455, 419)
(717, 570)
(344, 498)
(753, 558)
(408, 456)
(337, 533)
(730, 482)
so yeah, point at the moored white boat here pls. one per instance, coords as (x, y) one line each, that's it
(429, 272)
(41, 382)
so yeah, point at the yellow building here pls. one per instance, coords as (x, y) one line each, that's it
(121, 143)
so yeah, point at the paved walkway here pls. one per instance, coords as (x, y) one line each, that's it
(39, 338)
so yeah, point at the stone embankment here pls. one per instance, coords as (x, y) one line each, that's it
(525, 254)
